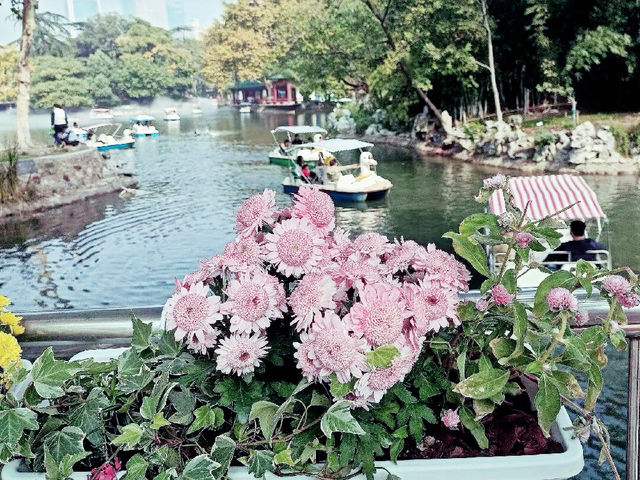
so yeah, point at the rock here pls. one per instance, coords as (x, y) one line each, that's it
(386, 133)
(345, 125)
(606, 136)
(584, 130)
(515, 120)
(379, 116)
(372, 130)
(422, 127)
(447, 121)
(467, 144)
(580, 156)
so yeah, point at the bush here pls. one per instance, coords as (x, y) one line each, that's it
(542, 138)
(474, 130)
(623, 140)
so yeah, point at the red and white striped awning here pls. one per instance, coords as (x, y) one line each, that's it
(549, 194)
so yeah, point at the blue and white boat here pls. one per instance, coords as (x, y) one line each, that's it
(356, 182)
(143, 126)
(105, 136)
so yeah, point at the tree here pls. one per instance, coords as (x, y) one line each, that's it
(491, 66)
(8, 72)
(51, 35)
(23, 133)
(60, 80)
(139, 78)
(99, 33)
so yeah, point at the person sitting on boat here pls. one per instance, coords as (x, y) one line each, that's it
(297, 140)
(579, 247)
(284, 146)
(305, 173)
(75, 135)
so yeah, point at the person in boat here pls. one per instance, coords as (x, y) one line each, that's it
(305, 173)
(284, 146)
(59, 122)
(297, 140)
(579, 247)
(74, 135)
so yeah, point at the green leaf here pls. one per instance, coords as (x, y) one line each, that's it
(199, 468)
(382, 356)
(222, 452)
(141, 334)
(502, 347)
(67, 441)
(567, 384)
(482, 408)
(575, 354)
(265, 412)
(260, 462)
(414, 414)
(475, 427)
(509, 280)
(284, 457)
(130, 436)
(477, 221)
(14, 422)
(338, 418)
(185, 403)
(50, 374)
(206, 417)
(618, 340)
(159, 421)
(88, 415)
(133, 374)
(338, 389)
(520, 326)
(319, 400)
(167, 344)
(136, 468)
(470, 251)
(561, 278)
(547, 402)
(483, 384)
(594, 387)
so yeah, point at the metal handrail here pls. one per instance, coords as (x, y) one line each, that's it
(70, 331)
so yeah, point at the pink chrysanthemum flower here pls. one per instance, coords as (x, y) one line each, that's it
(443, 267)
(616, 285)
(560, 298)
(199, 276)
(380, 315)
(523, 239)
(334, 350)
(582, 317)
(402, 256)
(191, 313)
(501, 296)
(312, 295)
(315, 206)
(356, 271)
(482, 304)
(294, 247)
(280, 294)
(433, 307)
(341, 246)
(240, 354)
(303, 348)
(255, 212)
(252, 303)
(375, 383)
(372, 244)
(242, 255)
(629, 300)
(212, 266)
(450, 418)
(495, 182)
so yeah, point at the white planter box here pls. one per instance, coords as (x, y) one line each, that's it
(553, 466)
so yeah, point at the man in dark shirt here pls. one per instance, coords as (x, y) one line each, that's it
(578, 246)
(297, 140)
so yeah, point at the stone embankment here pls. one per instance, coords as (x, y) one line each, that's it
(506, 145)
(46, 182)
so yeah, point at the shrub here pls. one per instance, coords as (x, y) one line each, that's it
(623, 140)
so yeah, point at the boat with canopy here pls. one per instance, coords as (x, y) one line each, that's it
(106, 136)
(143, 126)
(566, 197)
(283, 154)
(355, 182)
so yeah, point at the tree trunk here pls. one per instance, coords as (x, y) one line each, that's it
(492, 67)
(23, 134)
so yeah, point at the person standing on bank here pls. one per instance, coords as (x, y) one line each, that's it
(59, 122)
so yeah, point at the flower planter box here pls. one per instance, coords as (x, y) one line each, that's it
(526, 467)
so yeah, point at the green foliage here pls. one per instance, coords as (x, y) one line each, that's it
(60, 80)
(623, 140)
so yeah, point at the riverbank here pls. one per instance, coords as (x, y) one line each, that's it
(31, 186)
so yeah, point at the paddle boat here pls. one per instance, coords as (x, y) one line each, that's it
(546, 195)
(196, 110)
(104, 136)
(143, 126)
(244, 108)
(171, 114)
(102, 113)
(357, 182)
(285, 155)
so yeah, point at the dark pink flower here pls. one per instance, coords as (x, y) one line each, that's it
(616, 285)
(562, 299)
(524, 239)
(500, 295)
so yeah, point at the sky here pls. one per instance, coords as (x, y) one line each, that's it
(162, 13)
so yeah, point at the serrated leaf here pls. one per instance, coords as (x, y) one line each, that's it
(50, 374)
(338, 418)
(470, 251)
(265, 412)
(206, 417)
(382, 356)
(130, 436)
(199, 468)
(475, 427)
(548, 403)
(483, 384)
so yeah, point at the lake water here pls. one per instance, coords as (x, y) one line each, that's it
(113, 252)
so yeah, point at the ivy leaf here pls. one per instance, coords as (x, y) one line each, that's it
(159, 421)
(133, 374)
(483, 384)
(382, 356)
(475, 427)
(50, 374)
(88, 415)
(265, 412)
(185, 403)
(260, 462)
(14, 422)
(222, 452)
(470, 251)
(130, 436)
(284, 457)
(547, 403)
(168, 345)
(141, 337)
(67, 441)
(206, 417)
(136, 467)
(199, 468)
(338, 389)
(338, 418)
